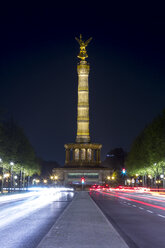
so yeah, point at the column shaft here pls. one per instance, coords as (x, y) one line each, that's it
(73, 155)
(83, 103)
(92, 155)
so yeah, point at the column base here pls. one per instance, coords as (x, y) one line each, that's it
(83, 139)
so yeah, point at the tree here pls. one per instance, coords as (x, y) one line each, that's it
(147, 153)
(15, 146)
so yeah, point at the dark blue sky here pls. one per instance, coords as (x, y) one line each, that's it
(38, 74)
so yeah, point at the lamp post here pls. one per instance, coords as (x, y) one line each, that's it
(23, 179)
(156, 173)
(158, 182)
(28, 181)
(2, 176)
(11, 177)
(54, 178)
(6, 179)
(20, 180)
(14, 181)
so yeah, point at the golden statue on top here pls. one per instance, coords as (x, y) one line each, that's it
(83, 44)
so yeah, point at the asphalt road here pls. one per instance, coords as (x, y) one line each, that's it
(24, 222)
(138, 217)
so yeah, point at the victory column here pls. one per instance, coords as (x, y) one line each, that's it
(83, 153)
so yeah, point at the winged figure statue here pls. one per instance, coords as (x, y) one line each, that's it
(83, 44)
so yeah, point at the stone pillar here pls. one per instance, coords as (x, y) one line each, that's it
(73, 155)
(80, 154)
(86, 155)
(67, 156)
(97, 156)
(92, 155)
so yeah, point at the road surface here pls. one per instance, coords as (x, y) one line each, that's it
(25, 221)
(138, 217)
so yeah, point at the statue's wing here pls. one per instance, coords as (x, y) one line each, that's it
(87, 42)
(77, 40)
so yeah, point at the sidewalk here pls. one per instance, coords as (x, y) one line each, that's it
(82, 225)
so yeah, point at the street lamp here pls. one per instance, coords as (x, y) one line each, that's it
(158, 182)
(55, 179)
(6, 175)
(128, 181)
(11, 177)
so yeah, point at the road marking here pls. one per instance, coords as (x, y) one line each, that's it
(141, 208)
(161, 215)
(134, 206)
(150, 211)
(128, 203)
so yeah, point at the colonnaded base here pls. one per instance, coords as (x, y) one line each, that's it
(71, 176)
(82, 154)
(82, 160)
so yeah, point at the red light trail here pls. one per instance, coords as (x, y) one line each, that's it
(141, 202)
(141, 197)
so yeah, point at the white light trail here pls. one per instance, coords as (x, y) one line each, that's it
(21, 209)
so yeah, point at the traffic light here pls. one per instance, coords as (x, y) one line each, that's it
(123, 171)
(82, 180)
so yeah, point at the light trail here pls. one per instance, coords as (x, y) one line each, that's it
(6, 198)
(22, 209)
(34, 191)
(143, 197)
(130, 199)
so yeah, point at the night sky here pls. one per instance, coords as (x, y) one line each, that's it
(38, 77)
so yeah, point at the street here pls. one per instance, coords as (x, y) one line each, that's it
(26, 219)
(138, 217)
